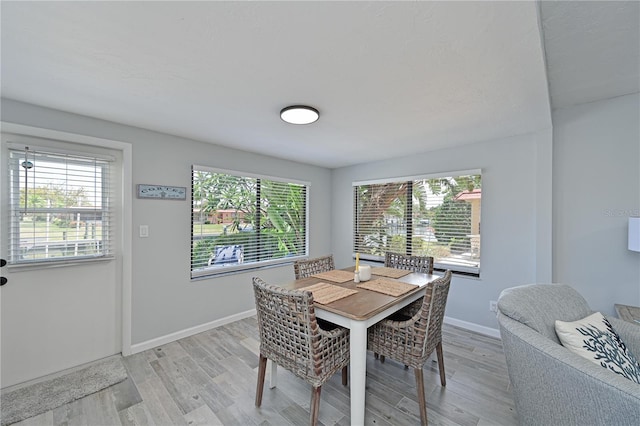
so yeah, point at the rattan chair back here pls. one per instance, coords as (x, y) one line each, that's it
(290, 335)
(291, 338)
(431, 315)
(306, 268)
(422, 264)
(412, 341)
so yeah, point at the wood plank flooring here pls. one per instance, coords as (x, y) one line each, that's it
(210, 379)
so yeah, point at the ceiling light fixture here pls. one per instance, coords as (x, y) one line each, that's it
(299, 114)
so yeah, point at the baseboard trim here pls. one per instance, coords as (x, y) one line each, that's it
(487, 331)
(163, 340)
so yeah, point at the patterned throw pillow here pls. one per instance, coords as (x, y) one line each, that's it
(595, 339)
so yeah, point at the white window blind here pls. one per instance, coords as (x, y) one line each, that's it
(241, 222)
(61, 207)
(427, 216)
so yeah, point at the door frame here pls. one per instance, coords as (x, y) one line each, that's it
(125, 233)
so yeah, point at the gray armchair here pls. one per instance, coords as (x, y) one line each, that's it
(551, 385)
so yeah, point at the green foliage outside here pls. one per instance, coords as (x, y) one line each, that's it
(273, 211)
(58, 230)
(53, 196)
(420, 247)
(448, 211)
(376, 203)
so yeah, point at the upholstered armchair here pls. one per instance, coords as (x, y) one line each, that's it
(551, 384)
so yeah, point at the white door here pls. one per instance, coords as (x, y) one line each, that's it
(61, 305)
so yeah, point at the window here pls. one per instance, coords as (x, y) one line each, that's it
(60, 206)
(435, 216)
(241, 221)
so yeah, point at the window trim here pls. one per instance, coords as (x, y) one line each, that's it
(417, 177)
(212, 272)
(460, 269)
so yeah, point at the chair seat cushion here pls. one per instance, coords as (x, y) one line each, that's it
(326, 325)
(399, 316)
(594, 338)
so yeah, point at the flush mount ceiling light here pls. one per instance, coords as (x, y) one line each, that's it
(299, 114)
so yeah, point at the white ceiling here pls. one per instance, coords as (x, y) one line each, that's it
(592, 49)
(389, 78)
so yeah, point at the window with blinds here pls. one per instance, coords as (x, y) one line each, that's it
(241, 222)
(60, 206)
(432, 215)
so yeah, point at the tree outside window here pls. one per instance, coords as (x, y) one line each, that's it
(431, 216)
(243, 221)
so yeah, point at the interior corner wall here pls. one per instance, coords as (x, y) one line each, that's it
(516, 189)
(596, 188)
(164, 299)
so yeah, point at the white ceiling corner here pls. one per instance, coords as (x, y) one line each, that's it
(592, 49)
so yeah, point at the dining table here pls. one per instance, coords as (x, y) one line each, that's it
(357, 312)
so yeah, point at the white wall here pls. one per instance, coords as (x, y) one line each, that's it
(516, 215)
(164, 299)
(596, 188)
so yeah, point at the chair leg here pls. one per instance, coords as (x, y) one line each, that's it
(382, 359)
(443, 377)
(422, 401)
(315, 405)
(345, 376)
(262, 368)
(375, 355)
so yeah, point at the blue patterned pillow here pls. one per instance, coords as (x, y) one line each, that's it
(595, 339)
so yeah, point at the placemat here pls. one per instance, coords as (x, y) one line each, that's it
(390, 272)
(335, 275)
(325, 293)
(384, 286)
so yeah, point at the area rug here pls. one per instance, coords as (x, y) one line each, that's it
(31, 400)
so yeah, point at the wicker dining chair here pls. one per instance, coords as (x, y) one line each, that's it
(291, 337)
(306, 268)
(412, 341)
(423, 264)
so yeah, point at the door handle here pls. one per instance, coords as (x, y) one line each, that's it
(3, 280)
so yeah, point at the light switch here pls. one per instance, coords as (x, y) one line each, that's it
(144, 231)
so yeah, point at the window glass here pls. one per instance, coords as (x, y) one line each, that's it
(60, 206)
(429, 216)
(240, 222)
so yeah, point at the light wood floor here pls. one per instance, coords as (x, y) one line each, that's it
(210, 379)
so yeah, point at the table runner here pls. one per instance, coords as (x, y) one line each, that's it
(335, 275)
(325, 293)
(389, 287)
(390, 272)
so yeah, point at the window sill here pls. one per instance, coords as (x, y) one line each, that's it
(32, 266)
(240, 269)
